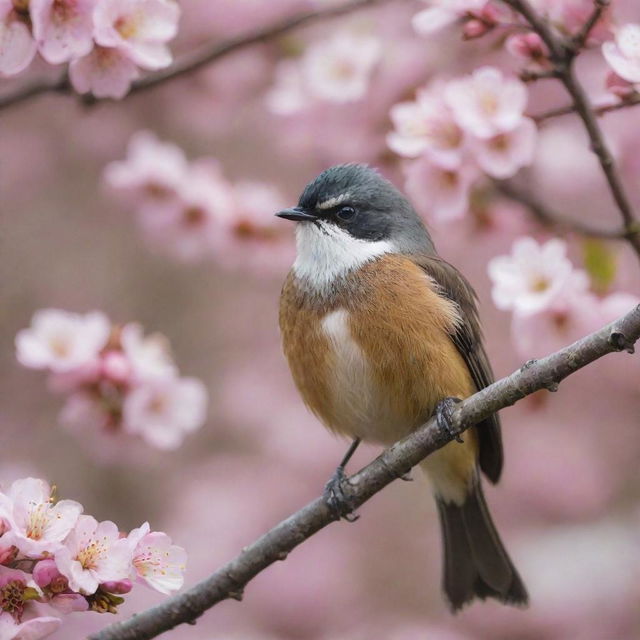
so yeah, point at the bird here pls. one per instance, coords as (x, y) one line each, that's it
(380, 333)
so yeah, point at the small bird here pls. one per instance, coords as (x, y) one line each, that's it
(380, 334)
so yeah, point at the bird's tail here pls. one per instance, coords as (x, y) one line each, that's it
(476, 564)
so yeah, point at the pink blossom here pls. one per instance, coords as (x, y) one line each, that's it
(442, 13)
(254, 241)
(190, 227)
(148, 357)
(32, 629)
(93, 553)
(288, 93)
(119, 587)
(105, 72)
(37, 525)
(533, 276)
(529, 47)
(61, 340)
(623, 55)
(152, 171)
(163, 411)
(63, 29)
(486, 102)
(156, 561)
(504, 154)
(139, 28)
(427, 126)
(17, 46)
(83, 411)
(441, 192)
(566, 318)
(339, 69)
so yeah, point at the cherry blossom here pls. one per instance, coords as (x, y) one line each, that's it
(427, 126)
(139, 28)
(17, 46)
(93, 553)
(441, 192)
(288, 94)
(32, 629)
(534, 276)
(37, 525)
(63, 29)
(504, 154)
(442, 13)
(156, 561)
(339, 69)
(152, 171)
(487, 103)
(163, 411)
(61, 340)
(105, 72)
(190, 227)
(623, 55)
(147, 357)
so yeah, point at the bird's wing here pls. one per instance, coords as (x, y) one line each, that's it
(468, 340)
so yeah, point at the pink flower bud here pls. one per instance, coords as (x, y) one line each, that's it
(8, 554)
(45, 572)
(119, 587)
(619, 86)
(69, 602)
(528, 46)
(474, 29)
(116, 366)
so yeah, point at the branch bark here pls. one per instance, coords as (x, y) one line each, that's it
(230, 580)
(600, 110)
(196, 60)
(562, 54)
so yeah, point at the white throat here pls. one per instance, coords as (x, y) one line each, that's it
(326, 252)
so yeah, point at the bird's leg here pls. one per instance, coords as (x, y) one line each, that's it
(444, 414)
(336, 500)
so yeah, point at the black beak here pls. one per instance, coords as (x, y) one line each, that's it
(297, 214)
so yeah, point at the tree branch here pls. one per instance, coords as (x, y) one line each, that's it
(550, 218)
(562, 54)
(601, 110)
(579, 40)
(230, 580)
(194, 61)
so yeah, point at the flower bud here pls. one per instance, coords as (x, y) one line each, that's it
(117, 586)
(619, 86)
(528, 46)
(474, 29)
(45, 572)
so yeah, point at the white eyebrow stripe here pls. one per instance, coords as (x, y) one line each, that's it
(333, 202)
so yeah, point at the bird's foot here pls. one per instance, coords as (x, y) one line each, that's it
(337, 500)
(444, 415)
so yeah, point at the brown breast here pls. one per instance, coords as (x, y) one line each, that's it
(373, 359)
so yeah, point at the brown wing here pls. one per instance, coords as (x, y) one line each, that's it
(468, 341)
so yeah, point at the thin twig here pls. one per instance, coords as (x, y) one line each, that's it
(230, 580)
(549, 218)
(562, 55)
(196, 60)
(579, 40)
(631, 101)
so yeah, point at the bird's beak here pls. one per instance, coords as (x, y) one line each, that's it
(298, 214)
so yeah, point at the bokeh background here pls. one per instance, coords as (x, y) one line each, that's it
(568, 505)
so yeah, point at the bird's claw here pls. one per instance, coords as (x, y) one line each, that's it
(338, 502)
(444, 414)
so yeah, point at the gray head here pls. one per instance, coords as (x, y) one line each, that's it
(357, 200)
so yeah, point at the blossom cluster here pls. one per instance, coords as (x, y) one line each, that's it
(551, 300)
(458, 129)
(116, 378)
(105, 41)
(56, 560)
(623, 56)
(337, 69)
(190, 211)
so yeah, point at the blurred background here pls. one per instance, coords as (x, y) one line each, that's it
(568, 505)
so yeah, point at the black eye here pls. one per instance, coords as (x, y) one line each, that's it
(345, 213)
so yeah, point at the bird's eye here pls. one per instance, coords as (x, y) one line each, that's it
(345, 213)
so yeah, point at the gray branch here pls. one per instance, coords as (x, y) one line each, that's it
(562, 55)
(192, 62)
(230, 580)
